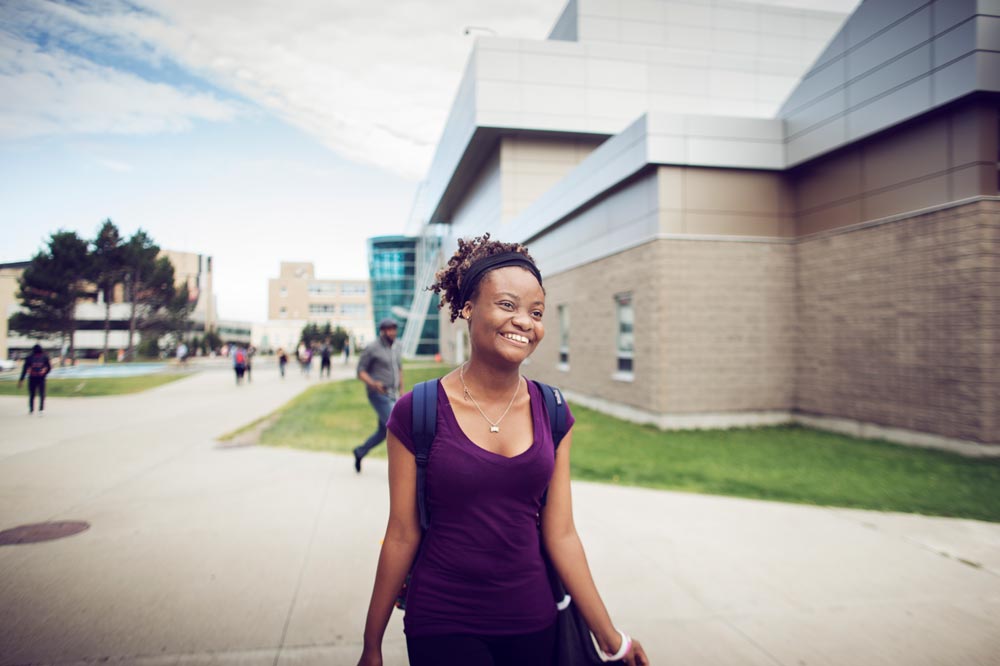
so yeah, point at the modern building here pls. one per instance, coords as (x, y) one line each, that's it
(10, 273)
(195, 271)
(191, 269)
(297, 295)
(747, 213)
(399, 292)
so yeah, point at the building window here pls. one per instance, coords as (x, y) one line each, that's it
(625, 338)
(283, 312)
(284, 292)
(354, 309)
(349, 289)
(563, 311)
(322, 308)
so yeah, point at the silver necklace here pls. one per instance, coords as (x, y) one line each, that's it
(494, 427)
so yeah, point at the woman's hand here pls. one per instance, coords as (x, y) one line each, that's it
(636, 656)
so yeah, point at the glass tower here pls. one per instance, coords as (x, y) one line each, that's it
(392, 267)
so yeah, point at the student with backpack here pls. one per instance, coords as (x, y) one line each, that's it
(473, 519)
(36, 366)
(240, 362)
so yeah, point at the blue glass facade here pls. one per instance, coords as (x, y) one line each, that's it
(392, 267)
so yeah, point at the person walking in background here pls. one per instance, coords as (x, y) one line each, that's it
(251, 351)
(282, 361)
(347, 350)
(381, 369)
(497, 492)
(36, 367)
(324, 356)
(305, 358)
(239, 362)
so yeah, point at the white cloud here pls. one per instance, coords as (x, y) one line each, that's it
(49, 93)
(373, 81)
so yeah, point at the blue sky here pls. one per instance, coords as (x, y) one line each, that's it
(254, 131)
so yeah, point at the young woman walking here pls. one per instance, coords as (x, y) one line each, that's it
(479, 593)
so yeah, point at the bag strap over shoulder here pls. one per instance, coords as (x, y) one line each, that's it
(556, 410)
(424, 427)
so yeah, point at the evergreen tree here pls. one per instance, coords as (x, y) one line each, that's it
(213, 342)
(107, 269)
(311, 334)
(166, 310)
(338, 339)
(139, 266)
(50, 287)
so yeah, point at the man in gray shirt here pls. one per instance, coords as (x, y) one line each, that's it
(381, 369)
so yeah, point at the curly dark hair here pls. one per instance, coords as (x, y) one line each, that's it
(448, 280)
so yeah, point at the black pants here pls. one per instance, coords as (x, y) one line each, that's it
(536, 649)
(36, 385)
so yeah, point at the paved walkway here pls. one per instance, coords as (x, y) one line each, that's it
(200, 553)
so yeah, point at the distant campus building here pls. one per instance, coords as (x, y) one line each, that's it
(746, 213)
(297, 297)
(191, 269)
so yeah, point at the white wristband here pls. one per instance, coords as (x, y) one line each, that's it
(622, 651)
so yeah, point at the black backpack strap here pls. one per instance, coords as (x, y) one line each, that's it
(556, 409)
(424, 426)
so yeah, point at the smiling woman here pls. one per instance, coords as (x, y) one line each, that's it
(497, 493)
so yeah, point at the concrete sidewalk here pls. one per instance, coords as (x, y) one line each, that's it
(200, 553)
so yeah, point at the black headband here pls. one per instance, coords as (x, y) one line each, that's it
(480, 267)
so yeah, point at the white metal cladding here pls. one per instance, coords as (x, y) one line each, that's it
(629, 57)
(892, 60)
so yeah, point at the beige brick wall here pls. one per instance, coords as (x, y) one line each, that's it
(589, 292)
(899, 323)
(288, 293)
(714, 329)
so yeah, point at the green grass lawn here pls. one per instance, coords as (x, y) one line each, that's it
(81, 387)
(787, 463)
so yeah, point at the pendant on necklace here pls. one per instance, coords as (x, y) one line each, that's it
(494, 428)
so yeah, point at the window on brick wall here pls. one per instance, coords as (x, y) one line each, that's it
(625, 338)
(563, 311)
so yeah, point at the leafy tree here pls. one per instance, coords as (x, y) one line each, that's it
(107, 259)
(149, 346)
(338, 339)
(213, 342)
(50, 287)
(167, 310)
(311, 334)
(140, 265)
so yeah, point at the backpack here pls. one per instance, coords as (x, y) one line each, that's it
(241, 357)
(36, 365)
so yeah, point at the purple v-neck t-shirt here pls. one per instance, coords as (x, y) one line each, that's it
(479, 568)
